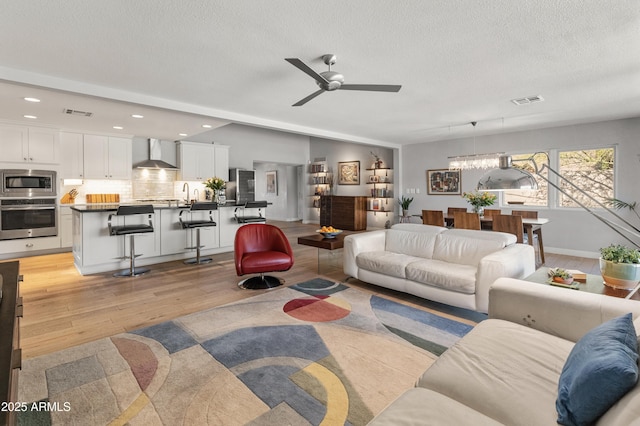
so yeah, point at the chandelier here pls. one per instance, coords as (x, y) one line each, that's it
(475, 161)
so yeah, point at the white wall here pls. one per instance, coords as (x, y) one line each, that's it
(571, 231)
(249, 144)
(283, 204)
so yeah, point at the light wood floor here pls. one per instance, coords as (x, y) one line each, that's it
(63, 308)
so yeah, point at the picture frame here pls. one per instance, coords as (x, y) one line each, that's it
(444, 182)
(272, 182)
(349, 173)
(374, 179)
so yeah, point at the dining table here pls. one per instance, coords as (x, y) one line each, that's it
(530, 226)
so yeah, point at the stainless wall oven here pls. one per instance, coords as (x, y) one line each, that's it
(28, 205)
(26, 218)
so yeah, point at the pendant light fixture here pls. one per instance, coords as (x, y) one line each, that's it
(474, 161)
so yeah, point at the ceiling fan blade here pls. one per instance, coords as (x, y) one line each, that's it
(308, 98)
(372, 87)
(305, 68)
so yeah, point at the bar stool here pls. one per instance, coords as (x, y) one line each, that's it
(251, 219)
(197, 225)
(131, 230)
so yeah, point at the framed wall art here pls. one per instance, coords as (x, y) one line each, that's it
(349, 173)
(272, 182)
(443, 182)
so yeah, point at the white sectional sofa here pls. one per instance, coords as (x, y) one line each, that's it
(506, 370)
(451, 266)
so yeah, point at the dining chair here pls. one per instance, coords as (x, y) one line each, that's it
(511, 224)
(466, 220)
(529, 214)
(433, 217)
(534, 231)
(451, 210)
(492, 212)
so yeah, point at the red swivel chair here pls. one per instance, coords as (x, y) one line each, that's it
(260, 248)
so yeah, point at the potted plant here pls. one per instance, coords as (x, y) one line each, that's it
(560, 275)
(479, 200)
(620, 266)
(405, 202)
(216, 185)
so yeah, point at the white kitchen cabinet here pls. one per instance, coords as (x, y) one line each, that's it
(196, 161)
(228, 226)
(176, 240)
(65, 228)
(221, 161)
(29, 245)
(92, 244)
(107, 157)
(21, 144)
(71, 156)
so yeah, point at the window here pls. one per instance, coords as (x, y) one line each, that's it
(591, 170)
(530, 197)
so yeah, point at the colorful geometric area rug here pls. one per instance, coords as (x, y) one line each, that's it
(314, 353)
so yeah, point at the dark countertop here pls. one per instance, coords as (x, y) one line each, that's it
(96, 208)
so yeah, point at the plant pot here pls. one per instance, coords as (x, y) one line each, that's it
(620, 275)
(562, 280)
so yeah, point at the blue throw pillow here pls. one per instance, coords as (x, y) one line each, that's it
(600, 369)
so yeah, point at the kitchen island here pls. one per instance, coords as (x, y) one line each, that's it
(94, 250)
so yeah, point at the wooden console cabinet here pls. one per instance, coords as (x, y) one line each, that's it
(344, 212)
(10, 353)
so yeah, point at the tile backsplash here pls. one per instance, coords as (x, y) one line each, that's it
(145, 183)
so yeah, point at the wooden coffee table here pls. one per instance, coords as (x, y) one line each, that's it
(594, 284)
(322, 243)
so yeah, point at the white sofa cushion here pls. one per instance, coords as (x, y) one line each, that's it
(460, 278)
(412, 239)
(423, 406)
(468, 247)
(384, 262)
(513, 381)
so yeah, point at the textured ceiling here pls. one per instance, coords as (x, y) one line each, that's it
(458, 61)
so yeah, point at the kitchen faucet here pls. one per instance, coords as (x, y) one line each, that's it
(196, 194)
(186, 185)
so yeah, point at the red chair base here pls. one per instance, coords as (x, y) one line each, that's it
(260, 282)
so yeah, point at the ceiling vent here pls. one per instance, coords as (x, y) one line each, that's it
(78, 113)
(528, 100)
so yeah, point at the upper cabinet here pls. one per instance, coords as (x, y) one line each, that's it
(200, 161)
(72, 155)
(107, 157)
(21, 144)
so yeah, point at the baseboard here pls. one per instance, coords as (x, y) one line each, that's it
(576, 253)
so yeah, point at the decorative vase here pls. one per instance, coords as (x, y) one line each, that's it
(479, 210)
(620, 275)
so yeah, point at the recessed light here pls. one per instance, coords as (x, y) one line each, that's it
(32, 117)
(32, 99)
(182, 134)
(137, 116)
(207, 126)
(118, 127)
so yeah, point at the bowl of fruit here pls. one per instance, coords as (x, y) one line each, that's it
(329, 231)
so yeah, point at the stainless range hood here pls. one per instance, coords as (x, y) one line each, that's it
(155, 157)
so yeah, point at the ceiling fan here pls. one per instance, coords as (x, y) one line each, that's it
(331, 80)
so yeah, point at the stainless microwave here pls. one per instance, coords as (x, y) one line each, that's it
(27, 183)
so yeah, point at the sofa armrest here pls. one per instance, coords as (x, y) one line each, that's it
(562, 312)
(514, 261)
(355, 244)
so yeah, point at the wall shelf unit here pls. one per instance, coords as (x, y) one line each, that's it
(380, 198)
(320, 180)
